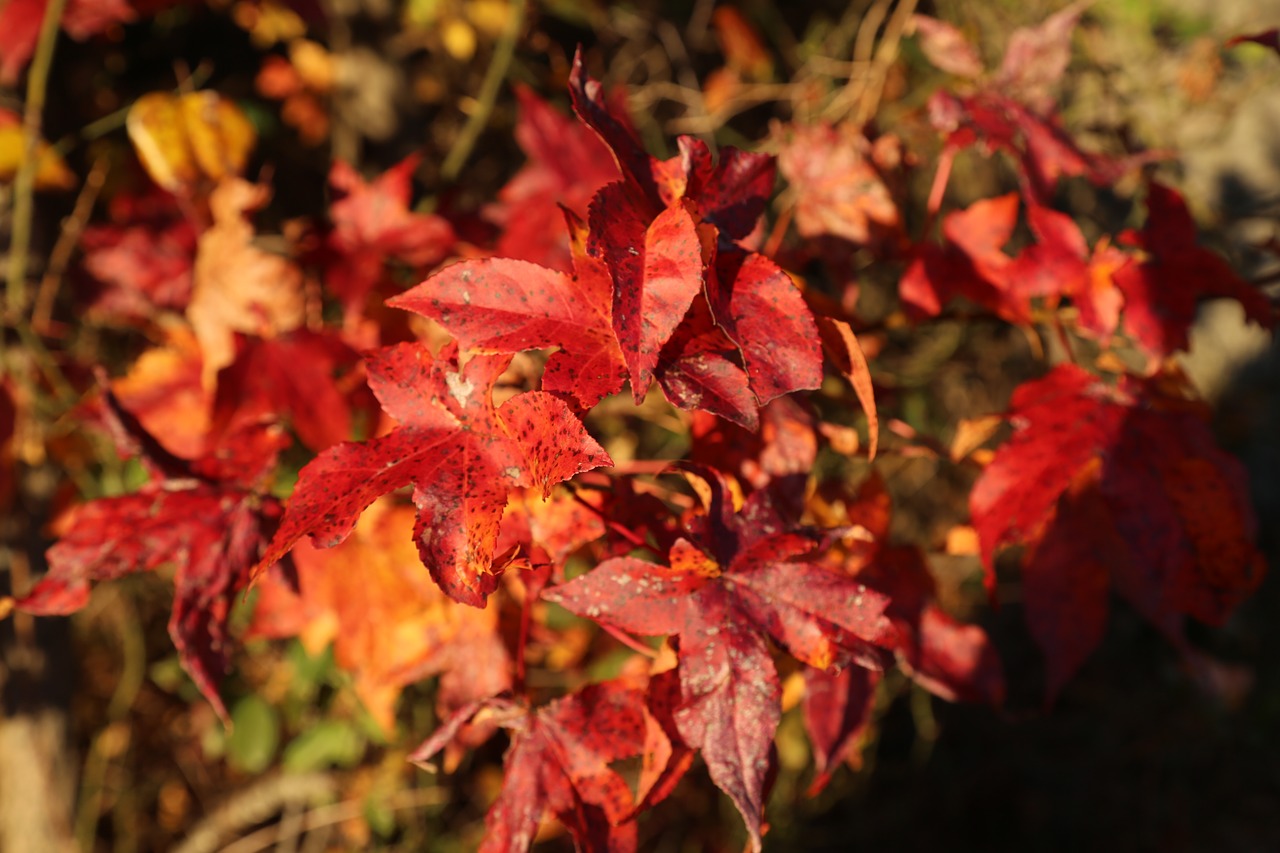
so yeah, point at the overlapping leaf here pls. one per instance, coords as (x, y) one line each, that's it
(973, 264)
(634, 306)
(567, 165)
(239, 287)
(693, 199)
(462, 454)
(207, 519)
(1121, 487)
(143, 258)
(559, 762)
(389, 624)
(1161, 292)
(955, 661)
(501, 305)
(835, 176)
(656, 264)
(837, 709)
(300, 375)
(372, 223)
(164, 391)
(740, 578)
(1012, 110)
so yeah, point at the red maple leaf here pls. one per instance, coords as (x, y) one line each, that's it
(656, 264)
(950, 659)
(646, 228)
(1117, 487)
(501, 305)
(1162, 291)
(1013, 109)
(738, 580)
(973, 264)
(837, 709)
(550, 529)
(209, 519)
(143, 259)
(371, 223)
(559, 762)
(786, 444)
(1060, 264)
(660, 287)
(567, 165)
(462, 454)
(836, 180)
(700, 369)
(299, 374)
(20, 23)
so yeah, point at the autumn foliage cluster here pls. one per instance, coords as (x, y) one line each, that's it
(468, 497)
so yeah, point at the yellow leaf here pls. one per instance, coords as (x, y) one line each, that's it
(313, 63)
(188, 140)
(490, 17)
(962, 540)
(268, 22)
(972, 433)
(51, 171)
(459, 39)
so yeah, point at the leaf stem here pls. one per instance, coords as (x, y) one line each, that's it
(72, 228)
(627, 640)
(499, 64)
(116, 119)
(612, 525)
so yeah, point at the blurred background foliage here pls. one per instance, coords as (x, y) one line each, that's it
(1133, 756)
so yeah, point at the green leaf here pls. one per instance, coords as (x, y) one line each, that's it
(381, 819)
(255, 735)
(330, 743)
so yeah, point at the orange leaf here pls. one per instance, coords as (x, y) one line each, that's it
(164, 391)
(389, 623)
(239, 287)
(741, 45)
(844, 350)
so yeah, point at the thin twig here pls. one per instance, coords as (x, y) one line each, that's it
(334, 814)
(72, 227)
(886, 54)
(44, 360)
(116, 119)
(779, 231)
(253, 805)
(133, 655)
(627, 640)
(24, 185)
(499, 64)
(1064, 339)
(683, 67)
